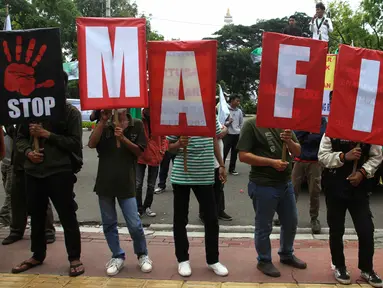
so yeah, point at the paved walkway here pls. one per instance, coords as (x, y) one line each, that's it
(237, 253)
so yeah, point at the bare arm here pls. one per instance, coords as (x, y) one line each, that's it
(217, 153)
(132, 146)
(294, 148)
(223, 133)
(96, 135)
(174, 146)
(254, 160)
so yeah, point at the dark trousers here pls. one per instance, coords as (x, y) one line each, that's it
(20, 211)
(152, 177)
(205, 197)
(59, 189)
(164, 168)
(230, 142)
(361, 215)
(219, 195)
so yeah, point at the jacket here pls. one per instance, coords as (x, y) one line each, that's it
(234, 128)
(155, 149)
(335, 174)
(310, 143)
(64, 141)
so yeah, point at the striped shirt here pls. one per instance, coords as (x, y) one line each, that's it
(200, 161)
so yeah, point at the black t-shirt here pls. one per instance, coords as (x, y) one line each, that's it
(293, 31)
(116, 175)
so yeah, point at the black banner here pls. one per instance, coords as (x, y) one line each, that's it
(31, 76)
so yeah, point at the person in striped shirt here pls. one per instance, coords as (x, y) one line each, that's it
(199, 178)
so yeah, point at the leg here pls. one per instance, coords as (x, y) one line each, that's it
(180, 220)
(362, 217)
(133, 222)
(265, 202)
(234, 153)
(205, 197)
(5, 212)
(50, 230)
(314, 177)
(336, 213)
(140, 174)
(109, 225)
(299, 172)
(152, 176)
(288, 215)
(37, 191)
(19, 205)
(226, 146)
(164, 169)
(61, 194)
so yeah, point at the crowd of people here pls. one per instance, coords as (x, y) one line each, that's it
(40, 163)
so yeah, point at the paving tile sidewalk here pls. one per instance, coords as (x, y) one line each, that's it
(237, 253)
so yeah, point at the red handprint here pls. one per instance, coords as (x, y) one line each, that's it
(21, 77)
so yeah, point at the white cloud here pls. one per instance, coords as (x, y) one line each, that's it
(193, 20)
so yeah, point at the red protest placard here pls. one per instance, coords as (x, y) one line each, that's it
(112, 62)
(357, 101)
(182, 79)
(291, 84)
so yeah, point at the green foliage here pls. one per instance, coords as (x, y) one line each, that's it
(88, 125)
(249, 107)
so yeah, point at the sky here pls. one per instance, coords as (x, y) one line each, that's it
(195, 19)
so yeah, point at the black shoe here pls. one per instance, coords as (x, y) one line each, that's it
(294, 262)
(315, 226)
(268, 269)
(342, 276)
(234, 173)
(372, 278)
(276, 222)
(50, 239)
(11, 239)
(224, 217)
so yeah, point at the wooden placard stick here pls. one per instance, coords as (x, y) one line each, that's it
(284, 152)
(117, 123)
(185, 150)
(36, 143)
(355, 161)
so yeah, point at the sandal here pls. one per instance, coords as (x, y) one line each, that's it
(73, 272)
(25, 266)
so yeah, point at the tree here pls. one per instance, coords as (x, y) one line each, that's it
(373, 15)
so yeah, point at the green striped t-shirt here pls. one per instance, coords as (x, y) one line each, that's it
(200, 161)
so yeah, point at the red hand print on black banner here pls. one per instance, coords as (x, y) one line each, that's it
(21, 77)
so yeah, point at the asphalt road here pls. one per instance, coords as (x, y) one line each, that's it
(238, 204)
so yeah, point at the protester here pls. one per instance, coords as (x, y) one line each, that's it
(116, 180)
(271, 190)
(151, 158)
(19, 201)
(218, 185)
(164, 171)
(320, 25)
(50, 175)
(234, 125)
(348, 190)
(306, 167)
(292, 28)
(2, 145)
(6, 173)
(199, 178)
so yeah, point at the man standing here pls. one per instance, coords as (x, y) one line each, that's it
(348, 190)
(6, 173)
(271, 190)
(151, 159)
(234, 125)
(320, 25)
(50, 175)
(307, 167)
(116, 180)
(292, 29)
(199, 178)
(19, 201)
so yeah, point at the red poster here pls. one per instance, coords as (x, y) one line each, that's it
(182, 85)
(291, 84)
(112, 62)
(357, 101)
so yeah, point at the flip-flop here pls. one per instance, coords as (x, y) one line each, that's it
(25, 266)
(76, 273)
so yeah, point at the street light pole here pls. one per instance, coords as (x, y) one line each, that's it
(107, 8)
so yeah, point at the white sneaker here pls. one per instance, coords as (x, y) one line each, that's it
(114, 266)
(184, 269)
(145, 264)
(150, 213)
(219, 269)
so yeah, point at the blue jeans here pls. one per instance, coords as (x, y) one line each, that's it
(267, 201)
(133, 222)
